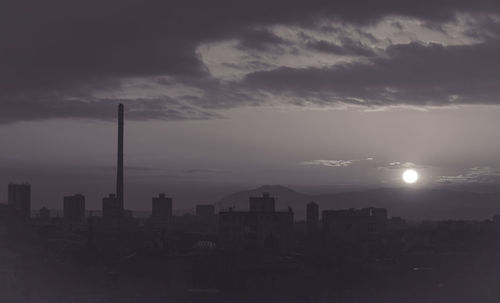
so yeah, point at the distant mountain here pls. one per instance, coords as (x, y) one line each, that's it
(413, 204)
(285, 197)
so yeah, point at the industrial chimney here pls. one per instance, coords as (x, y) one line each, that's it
(119, 165)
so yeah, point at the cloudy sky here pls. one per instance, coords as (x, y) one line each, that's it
(224, 95)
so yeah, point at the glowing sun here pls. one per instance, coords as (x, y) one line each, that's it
(410, 176)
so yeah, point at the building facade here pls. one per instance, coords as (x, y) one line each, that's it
(74, 208)
(312, 217)
(44, 213)
(205, 213)
(354, 223)
(112, 207)
(266, 203)
(161, 209)
(19, 198)
(260, 229)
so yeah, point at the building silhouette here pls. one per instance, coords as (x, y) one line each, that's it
(19, 198)
(161, 209)
(44, 213)
(312, 217)
(354, 223)
(205, 213)
(260, 229)
(496, 222)
(112, 207)
(74, 208)
(264, 203)
(119, 164)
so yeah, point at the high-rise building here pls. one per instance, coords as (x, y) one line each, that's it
(161, 208)
(264, 203)
(19, 198)
(74, 208)
(112, 207)
(312, 217)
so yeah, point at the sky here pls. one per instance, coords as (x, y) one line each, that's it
(229, 95)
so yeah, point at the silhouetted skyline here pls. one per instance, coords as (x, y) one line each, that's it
(321, 98)
(250, 151)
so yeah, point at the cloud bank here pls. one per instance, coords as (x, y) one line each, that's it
(190, 59)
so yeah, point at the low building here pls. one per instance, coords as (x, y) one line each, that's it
(396, 223)
(112, 207)
(496, 223)
(74, 208)
(264, 203)
(312, 217)
(44, 213)
(205, 213)
(19, 198)
(161, 214)
(354, 223)
(260, 229)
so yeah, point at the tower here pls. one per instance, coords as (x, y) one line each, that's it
(119, 164)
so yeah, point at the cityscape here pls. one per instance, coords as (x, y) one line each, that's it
(225, 254)
(236, 151)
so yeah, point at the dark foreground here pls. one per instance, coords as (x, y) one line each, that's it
(438, 262)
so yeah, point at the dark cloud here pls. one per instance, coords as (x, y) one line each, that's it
(261, 40)
(56, 53)
(411, 74)
(54, 106)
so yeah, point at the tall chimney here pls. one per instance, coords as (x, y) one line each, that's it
(119, 165)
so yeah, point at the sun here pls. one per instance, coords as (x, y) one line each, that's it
(410, 176)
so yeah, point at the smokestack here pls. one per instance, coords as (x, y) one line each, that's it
(119, 165)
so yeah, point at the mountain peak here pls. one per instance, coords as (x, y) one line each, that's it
(274, 188)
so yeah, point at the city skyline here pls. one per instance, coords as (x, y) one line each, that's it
(249, 151)
(320, 100)
(218, 189)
